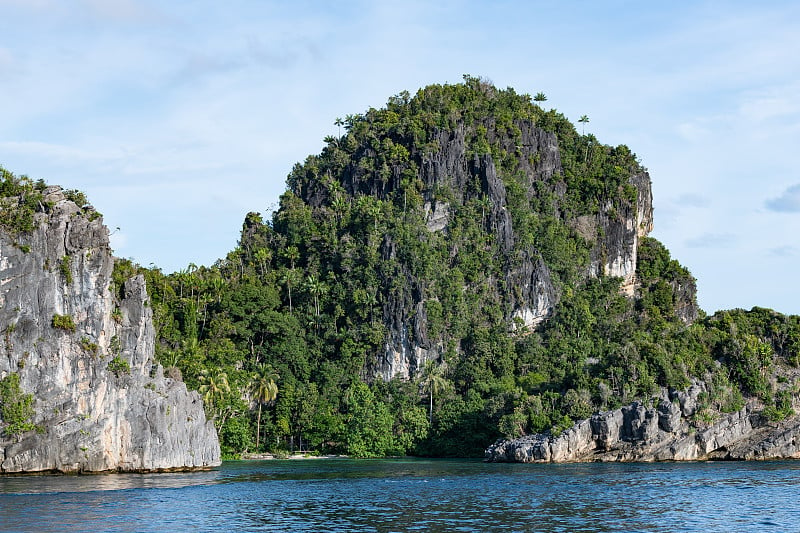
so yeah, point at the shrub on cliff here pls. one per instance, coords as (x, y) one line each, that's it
(20, 198)
(16, 407)
(64, 322)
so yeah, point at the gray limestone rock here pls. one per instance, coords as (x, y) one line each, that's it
(101, 403)
(639, 433)
(525, 290)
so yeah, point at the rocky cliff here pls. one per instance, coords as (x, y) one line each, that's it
(663, 431)
(83, 348)
(516, 175)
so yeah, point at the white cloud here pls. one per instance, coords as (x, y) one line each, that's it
(769, 107)
(777, 101)
(787, 202)
(29, 4)
(694, 131)
(62, 153)
(784, 251)
(118, 241)
(121, 10)
(203, 108)
(692, 200)
(712, 240)
(6, 59)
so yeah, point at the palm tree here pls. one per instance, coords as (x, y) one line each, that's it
(433, 381)
(374, 211)
(371, 207)
(292, 254)
(540, 97)
(191, 350)
(263, 256)
(237, 255)
(217, 284)
(182, 276)
(288, 278)
(371, 300)
(213, 389)
(584, 120)
(339, 205)
(264, 390)
(338, 123)
(191, 277)
(317, 289)
(485, 204)
(202, 303)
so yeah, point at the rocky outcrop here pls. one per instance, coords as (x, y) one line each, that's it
(660, 432)
(615, 232)
(685, 291)
(527, 290)
(84, 349)
(493, 168)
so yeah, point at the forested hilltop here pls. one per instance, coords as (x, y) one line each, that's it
(457, 266)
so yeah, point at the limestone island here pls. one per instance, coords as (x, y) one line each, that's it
(461, 267)
(80, 391)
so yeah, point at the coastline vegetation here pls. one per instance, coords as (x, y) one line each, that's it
(305, 298)
(281, 337)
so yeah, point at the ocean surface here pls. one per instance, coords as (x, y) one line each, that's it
(414, 495)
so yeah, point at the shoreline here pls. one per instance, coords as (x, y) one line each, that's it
(294, 456)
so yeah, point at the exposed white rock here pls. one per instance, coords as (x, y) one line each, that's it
(91, 419)
(530, 318)
(437, 214)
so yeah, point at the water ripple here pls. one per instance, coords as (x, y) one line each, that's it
(414, 495)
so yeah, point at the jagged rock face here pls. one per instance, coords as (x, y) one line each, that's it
(620, 227)
(685, 296)
(663, 433)
(90, 418)
(407, 346)
(530, 294)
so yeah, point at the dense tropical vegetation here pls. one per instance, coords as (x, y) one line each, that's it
(281, 336)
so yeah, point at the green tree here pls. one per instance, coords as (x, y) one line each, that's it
(213, 388)
(316, 288)
(289, 279)
(263, 256)
(433, 382)
(292, 254)
(353, 233)
(264, 389)
(339, 205)
(16, 406)
(368, 429)
(584, 120)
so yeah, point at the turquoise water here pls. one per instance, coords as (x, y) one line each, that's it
(414, 495)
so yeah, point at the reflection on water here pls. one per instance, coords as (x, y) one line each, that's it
(104, 482)
(413, 495)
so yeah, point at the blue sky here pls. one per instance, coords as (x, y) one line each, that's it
(177, 118)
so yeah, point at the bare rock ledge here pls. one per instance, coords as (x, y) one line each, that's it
(662, 432)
